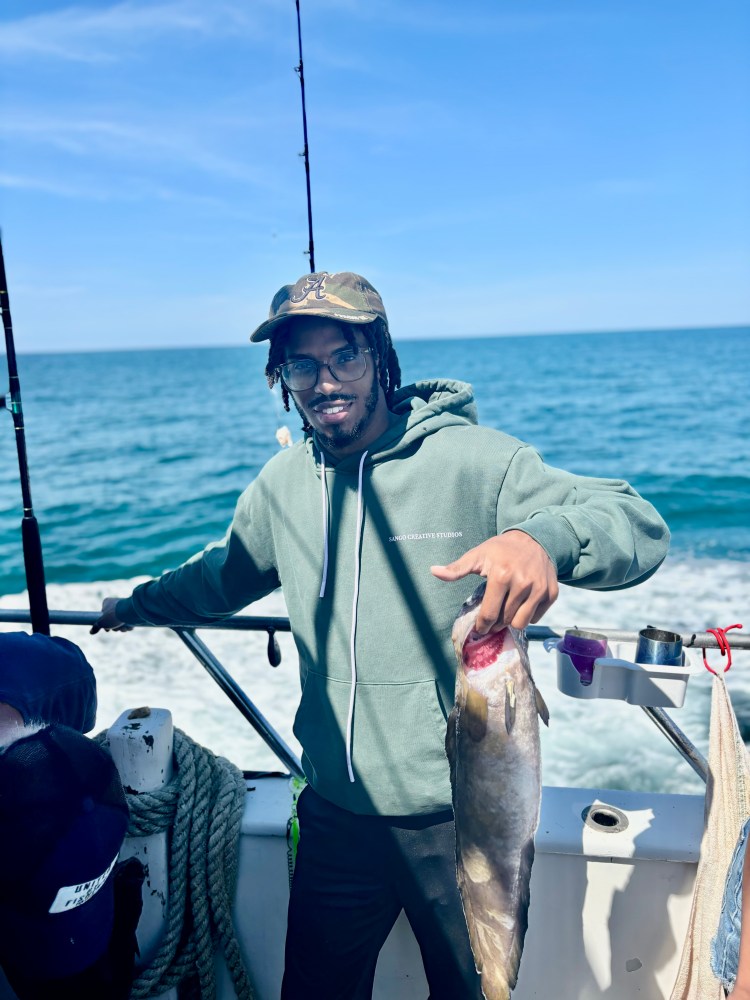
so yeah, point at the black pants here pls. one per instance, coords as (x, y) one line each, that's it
(354, 875)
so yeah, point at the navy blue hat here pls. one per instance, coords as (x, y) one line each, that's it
(63, 818)
(48, 679)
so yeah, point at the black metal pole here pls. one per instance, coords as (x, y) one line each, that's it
(305, 153)
(32, 543)
(237, 696)
(679, 740)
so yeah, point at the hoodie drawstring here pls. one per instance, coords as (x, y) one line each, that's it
(352, 656)
(324, 493)
(352, 637)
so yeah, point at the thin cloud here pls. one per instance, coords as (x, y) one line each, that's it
(102, 137)
(82, 34)
(45, 186)
(136, 191)
(263, 222)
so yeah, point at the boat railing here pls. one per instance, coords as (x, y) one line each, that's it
(271, 625)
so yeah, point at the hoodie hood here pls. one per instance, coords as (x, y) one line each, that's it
(438, 402)
(416, 410)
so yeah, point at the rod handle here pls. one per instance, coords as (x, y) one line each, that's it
(32, 557)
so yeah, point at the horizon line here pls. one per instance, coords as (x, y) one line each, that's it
(402, 338)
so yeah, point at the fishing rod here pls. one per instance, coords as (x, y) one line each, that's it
(32, 542)
(300, 71)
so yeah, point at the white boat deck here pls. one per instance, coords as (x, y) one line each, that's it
(608, 909)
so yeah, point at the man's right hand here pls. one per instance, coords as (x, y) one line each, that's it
(108, 620)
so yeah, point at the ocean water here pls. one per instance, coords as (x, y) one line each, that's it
(137, 459)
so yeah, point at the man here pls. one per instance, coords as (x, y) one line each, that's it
(371, 524)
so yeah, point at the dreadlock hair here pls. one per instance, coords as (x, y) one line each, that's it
(378, 338)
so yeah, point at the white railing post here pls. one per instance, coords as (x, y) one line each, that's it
(141, 743)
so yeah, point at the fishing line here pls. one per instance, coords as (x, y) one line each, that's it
(300, 71)
(32, 543)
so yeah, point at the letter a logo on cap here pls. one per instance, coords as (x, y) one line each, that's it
(316, 284)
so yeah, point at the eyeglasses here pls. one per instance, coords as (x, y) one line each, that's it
(347, 366)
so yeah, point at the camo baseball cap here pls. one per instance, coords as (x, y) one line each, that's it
(343, 296)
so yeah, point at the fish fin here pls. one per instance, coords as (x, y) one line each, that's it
(541, 706)
(475, 714)
(522, 913)
(510, 705)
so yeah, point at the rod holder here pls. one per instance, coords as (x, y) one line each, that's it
(618, 677)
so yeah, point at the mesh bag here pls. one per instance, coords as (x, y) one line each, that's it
(727, 808)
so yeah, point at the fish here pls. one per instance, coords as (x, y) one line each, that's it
(493, 748)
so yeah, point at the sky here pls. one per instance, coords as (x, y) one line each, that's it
(492, 167)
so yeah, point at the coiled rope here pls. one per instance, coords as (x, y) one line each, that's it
(202, 806)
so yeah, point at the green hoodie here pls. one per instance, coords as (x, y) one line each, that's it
(351, 542)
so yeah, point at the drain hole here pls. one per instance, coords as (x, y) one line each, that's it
(605, 819)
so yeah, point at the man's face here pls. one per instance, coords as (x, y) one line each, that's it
(347, 416)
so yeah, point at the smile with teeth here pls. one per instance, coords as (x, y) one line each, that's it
(332, 411)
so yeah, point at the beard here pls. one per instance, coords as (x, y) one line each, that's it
(338, 439)
(341, 439)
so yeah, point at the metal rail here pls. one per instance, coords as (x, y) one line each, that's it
(686, 748)
(265, 623)
(213, 667)
(261, 623)
(237, 696)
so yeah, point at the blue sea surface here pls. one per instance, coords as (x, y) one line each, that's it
(137, 457)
